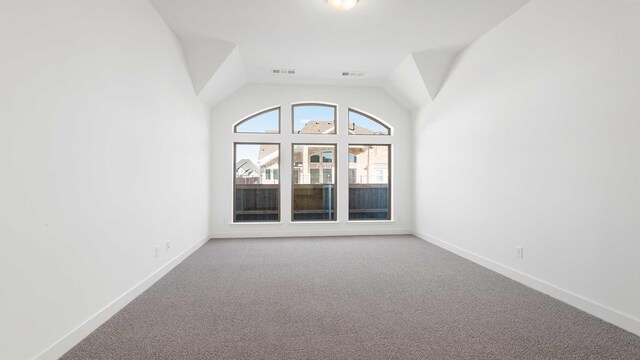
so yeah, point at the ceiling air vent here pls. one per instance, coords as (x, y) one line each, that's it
(284, 71)
(353, 74)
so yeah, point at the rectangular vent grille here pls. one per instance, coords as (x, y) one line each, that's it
(284, 71)
(353, 74)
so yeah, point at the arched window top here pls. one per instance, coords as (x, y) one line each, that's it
(264, 122)
(363, 124)
(312, 118)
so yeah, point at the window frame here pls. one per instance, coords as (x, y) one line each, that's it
(341, 141)
(335, 117)
(370, 117)
(261, 112)
(389, 182)
(335, 182)
(235, 161)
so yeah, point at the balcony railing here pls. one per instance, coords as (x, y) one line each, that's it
(314, 202)
(255, 202)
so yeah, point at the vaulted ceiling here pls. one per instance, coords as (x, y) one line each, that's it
(402, 46)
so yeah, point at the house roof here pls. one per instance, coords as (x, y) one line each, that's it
(317, 127)
(357, 129)
(248, 166)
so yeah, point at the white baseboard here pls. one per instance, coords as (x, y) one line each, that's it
(620, 319)
(603, 312)
(279, 233)
(76, 335)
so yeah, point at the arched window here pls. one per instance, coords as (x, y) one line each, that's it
(319, 119)
(264, 122)
(363, 124)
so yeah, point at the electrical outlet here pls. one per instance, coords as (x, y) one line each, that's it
(519, 252)
(168, 245)
(157, 251)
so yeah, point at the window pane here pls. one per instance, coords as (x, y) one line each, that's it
(265, 122)
(314, 191)
(315, 176)
(327, 157)
(369, 178)
(327, 176)
(360, 124)
(314, 119)
(257, 184)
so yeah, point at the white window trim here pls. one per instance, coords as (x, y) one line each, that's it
(286, 138)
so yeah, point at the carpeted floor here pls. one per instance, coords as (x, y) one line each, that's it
(385, 297)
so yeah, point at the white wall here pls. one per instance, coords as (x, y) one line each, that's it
(103, 155)
(253, 98)
(534, 141)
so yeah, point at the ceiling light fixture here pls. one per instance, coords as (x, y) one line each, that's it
(341, 5)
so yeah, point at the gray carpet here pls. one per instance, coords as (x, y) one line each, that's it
(385, 297)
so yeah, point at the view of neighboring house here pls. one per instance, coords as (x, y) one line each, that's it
(318, 127)
(327, 127)
(247, 172)
(269, 163)
(368, 164)
(313, 164)
(264, 170)
(355, 129)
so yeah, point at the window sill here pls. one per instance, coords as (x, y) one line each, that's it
(257, 223)
(371, 221)
(315, 222)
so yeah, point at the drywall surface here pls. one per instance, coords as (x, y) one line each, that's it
(253, 98)
(104, 152)
(534, 141)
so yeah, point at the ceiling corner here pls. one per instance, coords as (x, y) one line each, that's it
(204, 57)
(434, 66)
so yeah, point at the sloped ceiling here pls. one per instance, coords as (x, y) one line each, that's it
(204, 56)
(434, 66)
(402, 46)
(406, 85)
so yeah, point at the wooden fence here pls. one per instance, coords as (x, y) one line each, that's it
(311, 202)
